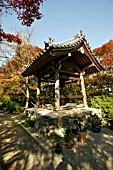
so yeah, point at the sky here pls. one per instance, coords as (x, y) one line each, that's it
(63, 19)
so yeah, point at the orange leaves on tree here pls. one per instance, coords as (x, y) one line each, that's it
(26, 10)
(9, 37)
(106, 53)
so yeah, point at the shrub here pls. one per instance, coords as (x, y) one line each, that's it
(94, 120)
(29, 122)
(105, 103)
(11, 107)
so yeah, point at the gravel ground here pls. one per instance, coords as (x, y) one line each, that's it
(20, 152)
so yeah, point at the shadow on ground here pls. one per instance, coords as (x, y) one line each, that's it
(20, 152)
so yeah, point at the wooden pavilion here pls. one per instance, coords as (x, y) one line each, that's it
(70, 61)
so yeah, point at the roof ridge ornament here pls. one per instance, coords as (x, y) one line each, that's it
(80, 35)
(49, 43)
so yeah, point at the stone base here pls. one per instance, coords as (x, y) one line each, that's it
(49, 121)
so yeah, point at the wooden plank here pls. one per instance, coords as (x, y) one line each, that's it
(71, 64)
(69, 78)
(65, 50)
(51, 77)
(69, 74)
(46, 97)
(47, 80)
(88, 66)
(71, 96)
(69, 82)
(63, 97)
(47, 71)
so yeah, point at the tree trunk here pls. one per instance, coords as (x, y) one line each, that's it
(27, 94)
(38, 94)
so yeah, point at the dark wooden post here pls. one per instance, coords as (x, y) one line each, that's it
(61, 99)
(62, 84)
(38, 93)
(83, 88)
(57, 90)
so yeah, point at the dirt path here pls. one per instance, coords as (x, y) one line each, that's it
(18, 150)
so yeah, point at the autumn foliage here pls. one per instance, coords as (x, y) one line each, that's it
(9, 37)
(99, 86)
(105, 52)
(12, 84)
(102, 83)
(26, 10)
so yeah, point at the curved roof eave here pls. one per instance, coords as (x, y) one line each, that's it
(70, 44)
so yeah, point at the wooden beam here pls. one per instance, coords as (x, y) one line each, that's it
(69, 82)
(48, 81)
(88, 66)
(46, 97)
(61, 52)
(70, 74)
(72, 96)
(64, 97)
(51, 77)
(63, 74)
(71, 64)
(90, 56)
(69, 77)
(65, 50)
(46, 72)
(63, 59)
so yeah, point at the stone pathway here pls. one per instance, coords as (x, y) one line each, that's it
(20, 152)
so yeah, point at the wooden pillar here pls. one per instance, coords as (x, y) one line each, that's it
(62, 84)
(62, 99)
(38, 93)
(57, 90)
(83, 88)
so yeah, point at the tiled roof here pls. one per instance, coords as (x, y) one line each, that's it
(75, 43)
(69, 43)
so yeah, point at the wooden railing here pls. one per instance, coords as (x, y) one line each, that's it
(63, 97)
